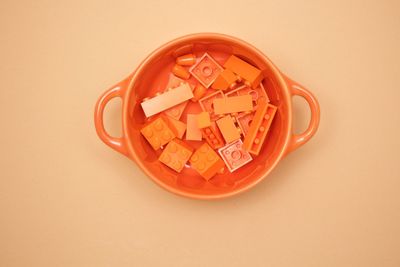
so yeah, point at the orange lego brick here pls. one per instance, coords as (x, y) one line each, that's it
(186, 60)
(192, 130)
(198, 92)
(176, 111)
(244, 120)
(234, 155)
(203, 120)
(259, 128)
(177, 126)
(206, 162)
(180, 72)
(176, 154)
(158, 132)
(228, 129)
(167, 100)
(258, 94)
(213, 136)
(248, 72)
(233, 104)
(226, 79)
(206, 70)
(206, 103)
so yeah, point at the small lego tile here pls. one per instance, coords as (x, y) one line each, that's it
(186, 60)
(226, 79)
(176, 154)
(180, 72)
(203, 120)
(177, 126)
(206, 162)
(206, 103)
(158, 132)
(248, 72)
(228, 129)
(213, 136)
(233, 104)
(198, 92)
(192, 130)
(167, 100)
(234, 155)
(259, 128)
(206, 70)
(258, 94)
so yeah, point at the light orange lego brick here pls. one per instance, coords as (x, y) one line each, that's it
(248, 72)
(199, 92)
(259, 128)
(228, 129)
(167, 100)
(213, 136)
(206, 70)
(176, 111)
(226, 79)
(258, 94)
(233, 104)
(244, 121)
(186, 60)
(176, 154)
(206, 103)
(192, 130)
(158, 132)
(234, 155)
(203, 120)
(180, 72)
(178, 126)
(206, 162)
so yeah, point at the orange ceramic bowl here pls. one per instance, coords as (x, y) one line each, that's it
(152, 75)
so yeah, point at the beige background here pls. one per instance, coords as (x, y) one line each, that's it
(68, 200)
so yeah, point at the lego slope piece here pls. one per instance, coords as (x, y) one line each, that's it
(259, 128)
(233, 104)
(192, 130)
(167, 100)
(179, 126)
(234, 155)
(213, 136)
(206, 103)
(206, 70)
(158, 132)
(203, 120)
(176, 154)
(186, 60)
(180, 72)
(228, 129)
(226, 79)
(248, 72)
(206, 162)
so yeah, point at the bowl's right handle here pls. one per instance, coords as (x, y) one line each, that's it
(298, 140)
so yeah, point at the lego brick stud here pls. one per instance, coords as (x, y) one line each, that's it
(206, 70)
(234, 155)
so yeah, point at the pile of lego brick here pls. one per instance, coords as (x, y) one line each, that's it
(232, 127)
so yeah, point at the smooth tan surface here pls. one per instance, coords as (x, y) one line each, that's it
(68, 200)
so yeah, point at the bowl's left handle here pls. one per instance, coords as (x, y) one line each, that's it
(118, 90)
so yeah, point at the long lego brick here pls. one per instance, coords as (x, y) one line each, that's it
(233, 104)
(167, 100)
(259, 128)
(244, 70)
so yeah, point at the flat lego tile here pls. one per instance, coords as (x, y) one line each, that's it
(176, 154)
(178, 126)
(224, 80)
(228, 129)
(258, 94)
(192, 130)
(259, 128)
(158, 132)
(206, 70)
(213, 136)
(206, 103)
(234, 155)
(167, 100)
(203, 120)
(248, 72)
(233, 104)
(206, 161)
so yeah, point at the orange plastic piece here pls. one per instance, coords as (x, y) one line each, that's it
(248, 72)
(233, 104)
(176, 111)
(180, 72)
(176, 154)
(192, 130)
(244, 120)
(186, 60)
(198, 92)
(206, 103)
(178, 126)
(203, 120)
(259, 128)
(206, 70)
(167, 100)
(213, 136)
(257, 94)
(228, 129)
(206, 162)
(226, 79)
(234, 155)
(158, 132)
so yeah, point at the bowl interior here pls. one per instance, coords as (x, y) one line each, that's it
(152, 76)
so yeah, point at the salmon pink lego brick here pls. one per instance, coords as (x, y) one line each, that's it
(180, 72)
(228, 129)
(192, 130)
(199, 92)
(186, 60)
(206, 70)
(259, 128)
(213, 136)
(178, 126)
(206, 162)
(158, 132)
(226, 79)
(244, 120)
(234, 155)
(234, 104)
(206, 103)
(203, 120)
(167, 100)
(248, 72)
(176, 154)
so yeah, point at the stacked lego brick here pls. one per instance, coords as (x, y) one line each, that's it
(232, 126)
